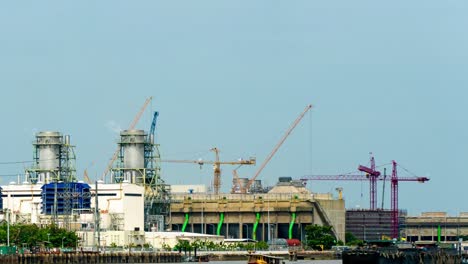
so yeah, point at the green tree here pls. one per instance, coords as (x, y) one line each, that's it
(31, 235)
(319, 237)
(166, 247)
(261, 245)
(183, 245)
(352, 240)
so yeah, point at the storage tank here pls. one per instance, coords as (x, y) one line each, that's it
(133, 149)
(47, 153)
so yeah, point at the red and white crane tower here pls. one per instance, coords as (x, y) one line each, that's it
(373, 179)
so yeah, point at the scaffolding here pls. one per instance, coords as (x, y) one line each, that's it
(157, 192)
(54, 159)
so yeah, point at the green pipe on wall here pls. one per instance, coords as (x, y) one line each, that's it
(254, 231)
(291, 225)
(185, 222)
(220, 224)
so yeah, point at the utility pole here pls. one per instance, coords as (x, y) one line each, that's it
(97, 220)
(55, 203)
(268, 213)
(8, 228)
(203, 207)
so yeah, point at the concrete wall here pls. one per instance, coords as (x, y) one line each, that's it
(336, 213)
(159, 239)
(425, 228)
(240, 214)
(119, 238)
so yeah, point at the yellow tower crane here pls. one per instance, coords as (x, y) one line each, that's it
(216, 166)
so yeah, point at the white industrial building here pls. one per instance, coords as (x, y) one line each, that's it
(120, 207)
(50, 193)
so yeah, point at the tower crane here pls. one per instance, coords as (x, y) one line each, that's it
(244, 189)
(372, 174)
(236, 187)
(216, 166)
(153, 123)
(132, 126)
(394, 188)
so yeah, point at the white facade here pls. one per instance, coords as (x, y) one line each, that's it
(23, 202)
(158, 239)
(121, 207)
(88, 239)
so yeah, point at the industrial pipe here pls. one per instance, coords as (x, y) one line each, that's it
(185, 222)
(439, 233)
(220, 224)
(254, 231)
(291, 225)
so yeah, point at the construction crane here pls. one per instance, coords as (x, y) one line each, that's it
(245, 188)
(132, 126)
(236, 187)
(394, 188)
(85, 174)
(394, 194)
(372, 174)
(153, 124)
(216, 166)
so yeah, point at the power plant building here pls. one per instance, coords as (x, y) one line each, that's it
(137, 202)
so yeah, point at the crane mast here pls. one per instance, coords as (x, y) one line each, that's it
(216, 166)
(372, 174)
(275, 149)
(394, 188)
(394, 199)
(216, 172)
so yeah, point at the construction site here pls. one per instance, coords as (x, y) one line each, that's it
(132, 201)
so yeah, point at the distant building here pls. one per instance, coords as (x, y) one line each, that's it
(367, 224)
(426, 227)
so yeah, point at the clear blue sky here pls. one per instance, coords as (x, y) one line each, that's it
(387, 77)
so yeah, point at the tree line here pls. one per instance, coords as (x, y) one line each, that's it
(31, 235)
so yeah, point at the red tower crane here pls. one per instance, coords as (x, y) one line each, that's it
(394, 195)
(373, 175)
(394, 188)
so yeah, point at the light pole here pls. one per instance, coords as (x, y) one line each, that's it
(202, 209)
(62, 241)
(364, 228)
(272, 230)
(8, 227)
(48, 239)
(268, 217)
